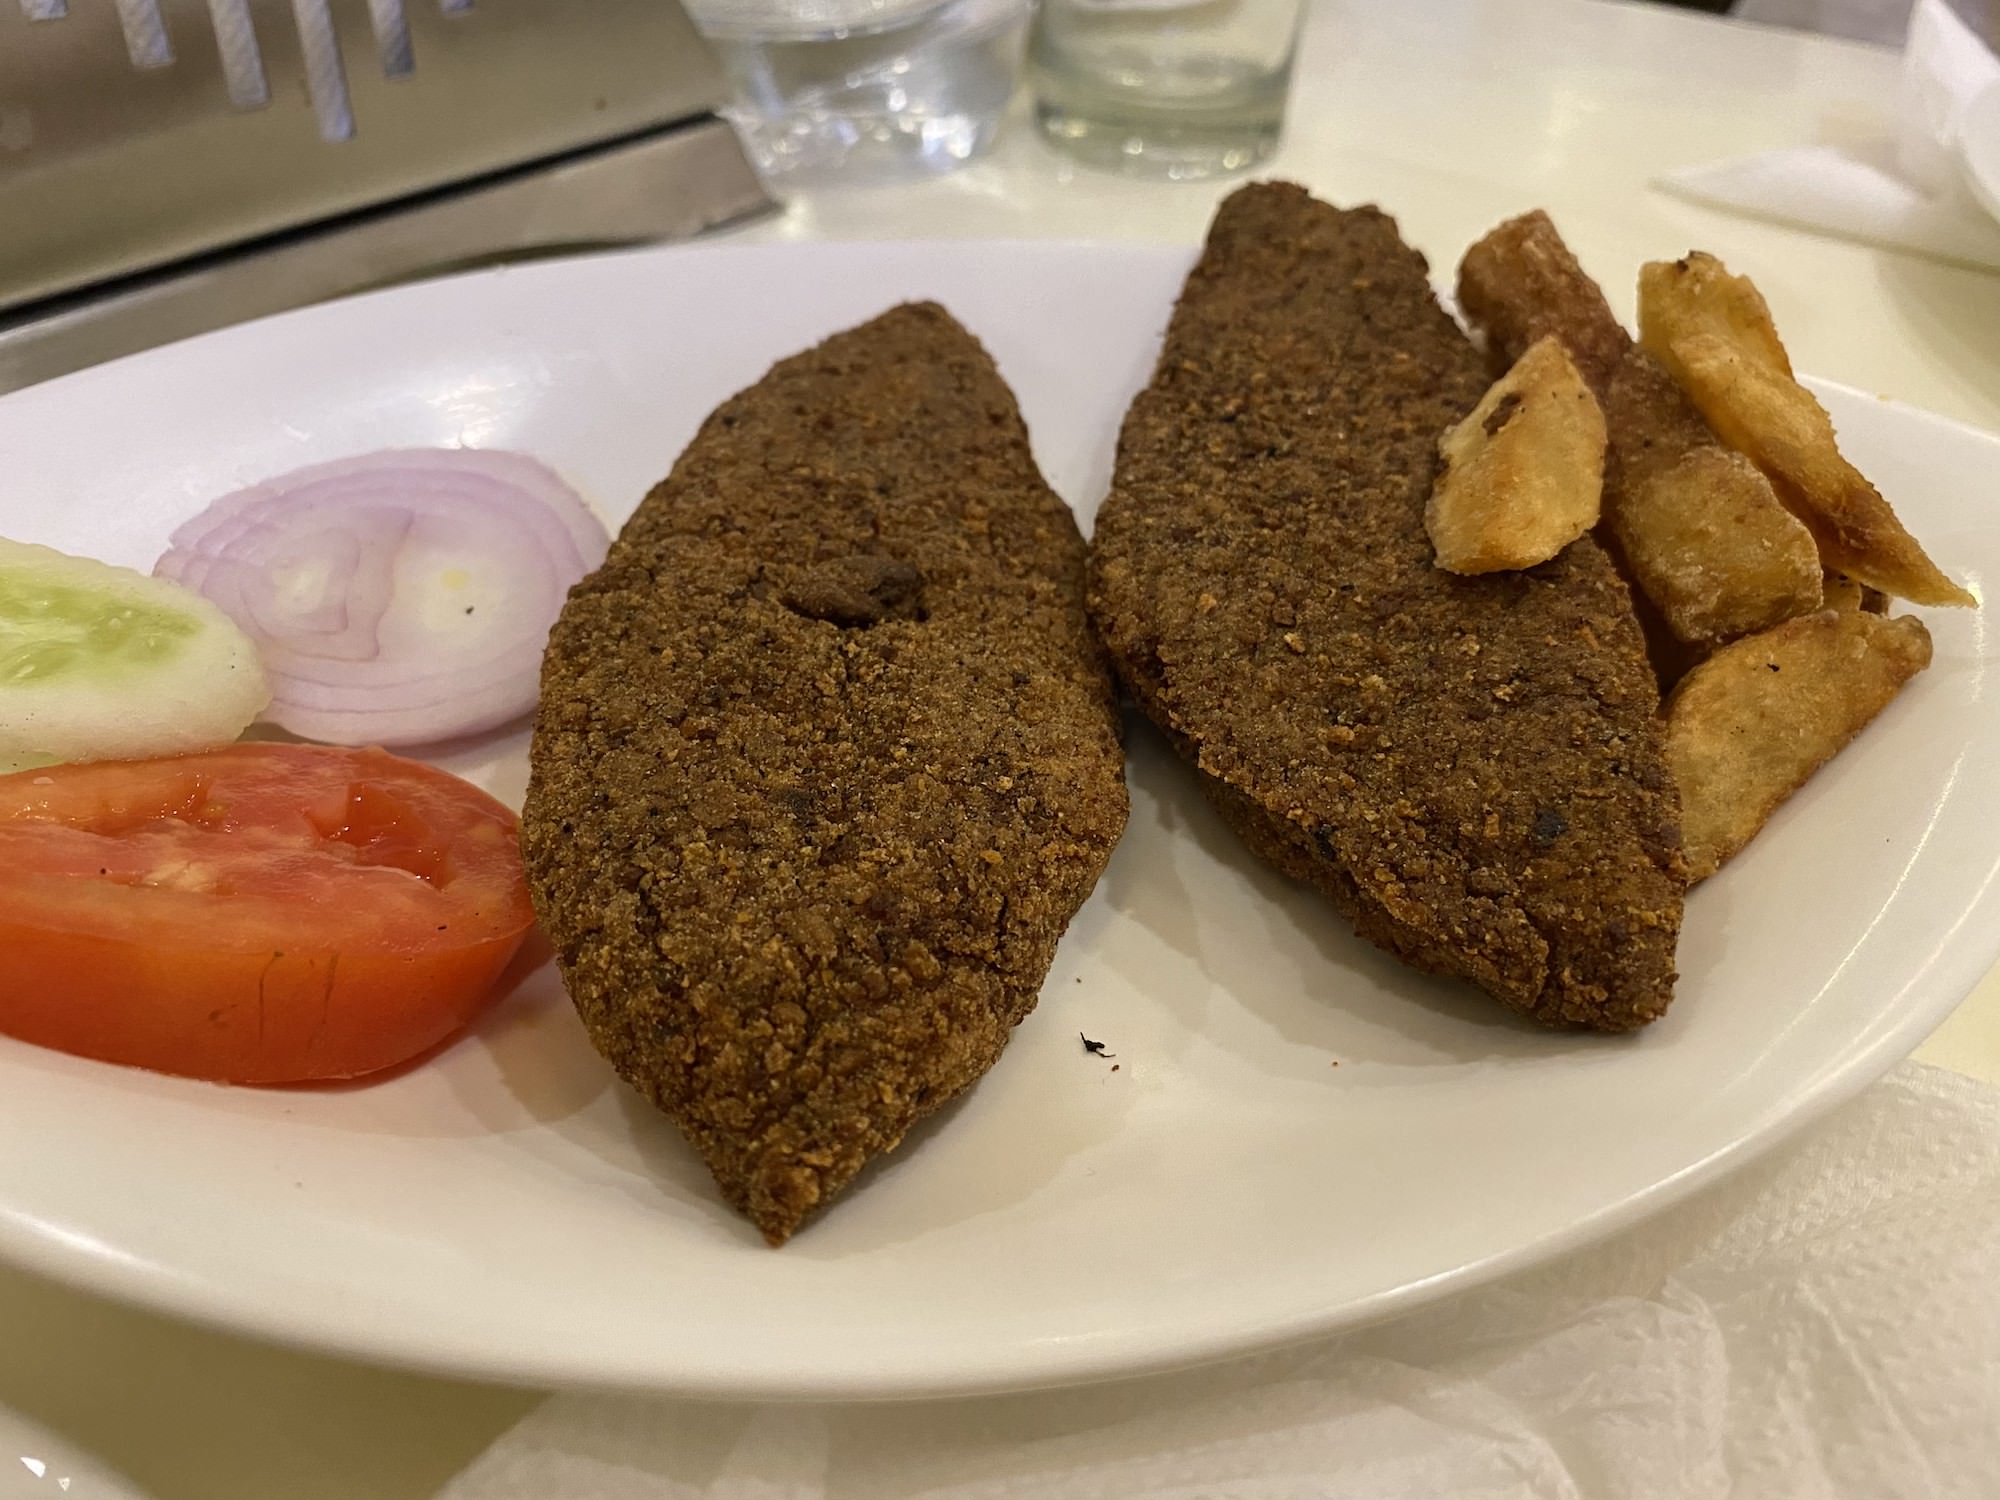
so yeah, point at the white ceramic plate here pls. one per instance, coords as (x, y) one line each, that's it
(1298, 1134)
(35, 1464)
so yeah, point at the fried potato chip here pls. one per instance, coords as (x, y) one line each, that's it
(1698, 526)
(1521, 477)
(1713, 333)
(1747, 727)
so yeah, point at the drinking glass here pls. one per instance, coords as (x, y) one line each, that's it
(865, 87)
(1172, 88)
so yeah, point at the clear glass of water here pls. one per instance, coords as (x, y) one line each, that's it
(866, 88)
(1166, 88)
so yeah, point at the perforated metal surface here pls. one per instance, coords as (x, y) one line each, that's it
(136, 133)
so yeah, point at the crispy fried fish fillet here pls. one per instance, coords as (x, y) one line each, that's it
(826, 761)
(1470, 768)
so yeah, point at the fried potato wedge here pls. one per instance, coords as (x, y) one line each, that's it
(1701, 530)
(1747, 727)
(1520, 284)
(1696, 296)
(1522, 476)
(1843, 592)
(1713, 333)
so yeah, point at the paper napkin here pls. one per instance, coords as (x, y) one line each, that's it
(1825, 1323)
(1907, 193)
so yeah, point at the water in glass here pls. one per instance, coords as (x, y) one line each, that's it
(1175, 88)
(866, 87)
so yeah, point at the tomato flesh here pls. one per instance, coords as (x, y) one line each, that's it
(262, 914)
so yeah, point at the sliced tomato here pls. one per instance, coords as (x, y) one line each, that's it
(262, 914)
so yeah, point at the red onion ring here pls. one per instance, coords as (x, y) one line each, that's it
(397, 598)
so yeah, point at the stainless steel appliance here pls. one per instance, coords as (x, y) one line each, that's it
(167, 166)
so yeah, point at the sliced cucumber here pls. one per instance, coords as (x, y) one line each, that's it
(102, 663)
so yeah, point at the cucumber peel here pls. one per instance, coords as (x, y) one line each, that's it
(104, 663)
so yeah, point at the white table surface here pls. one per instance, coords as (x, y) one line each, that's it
(1452, 114)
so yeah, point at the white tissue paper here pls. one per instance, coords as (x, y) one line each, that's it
(1908, 193)
(1826, 1323)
